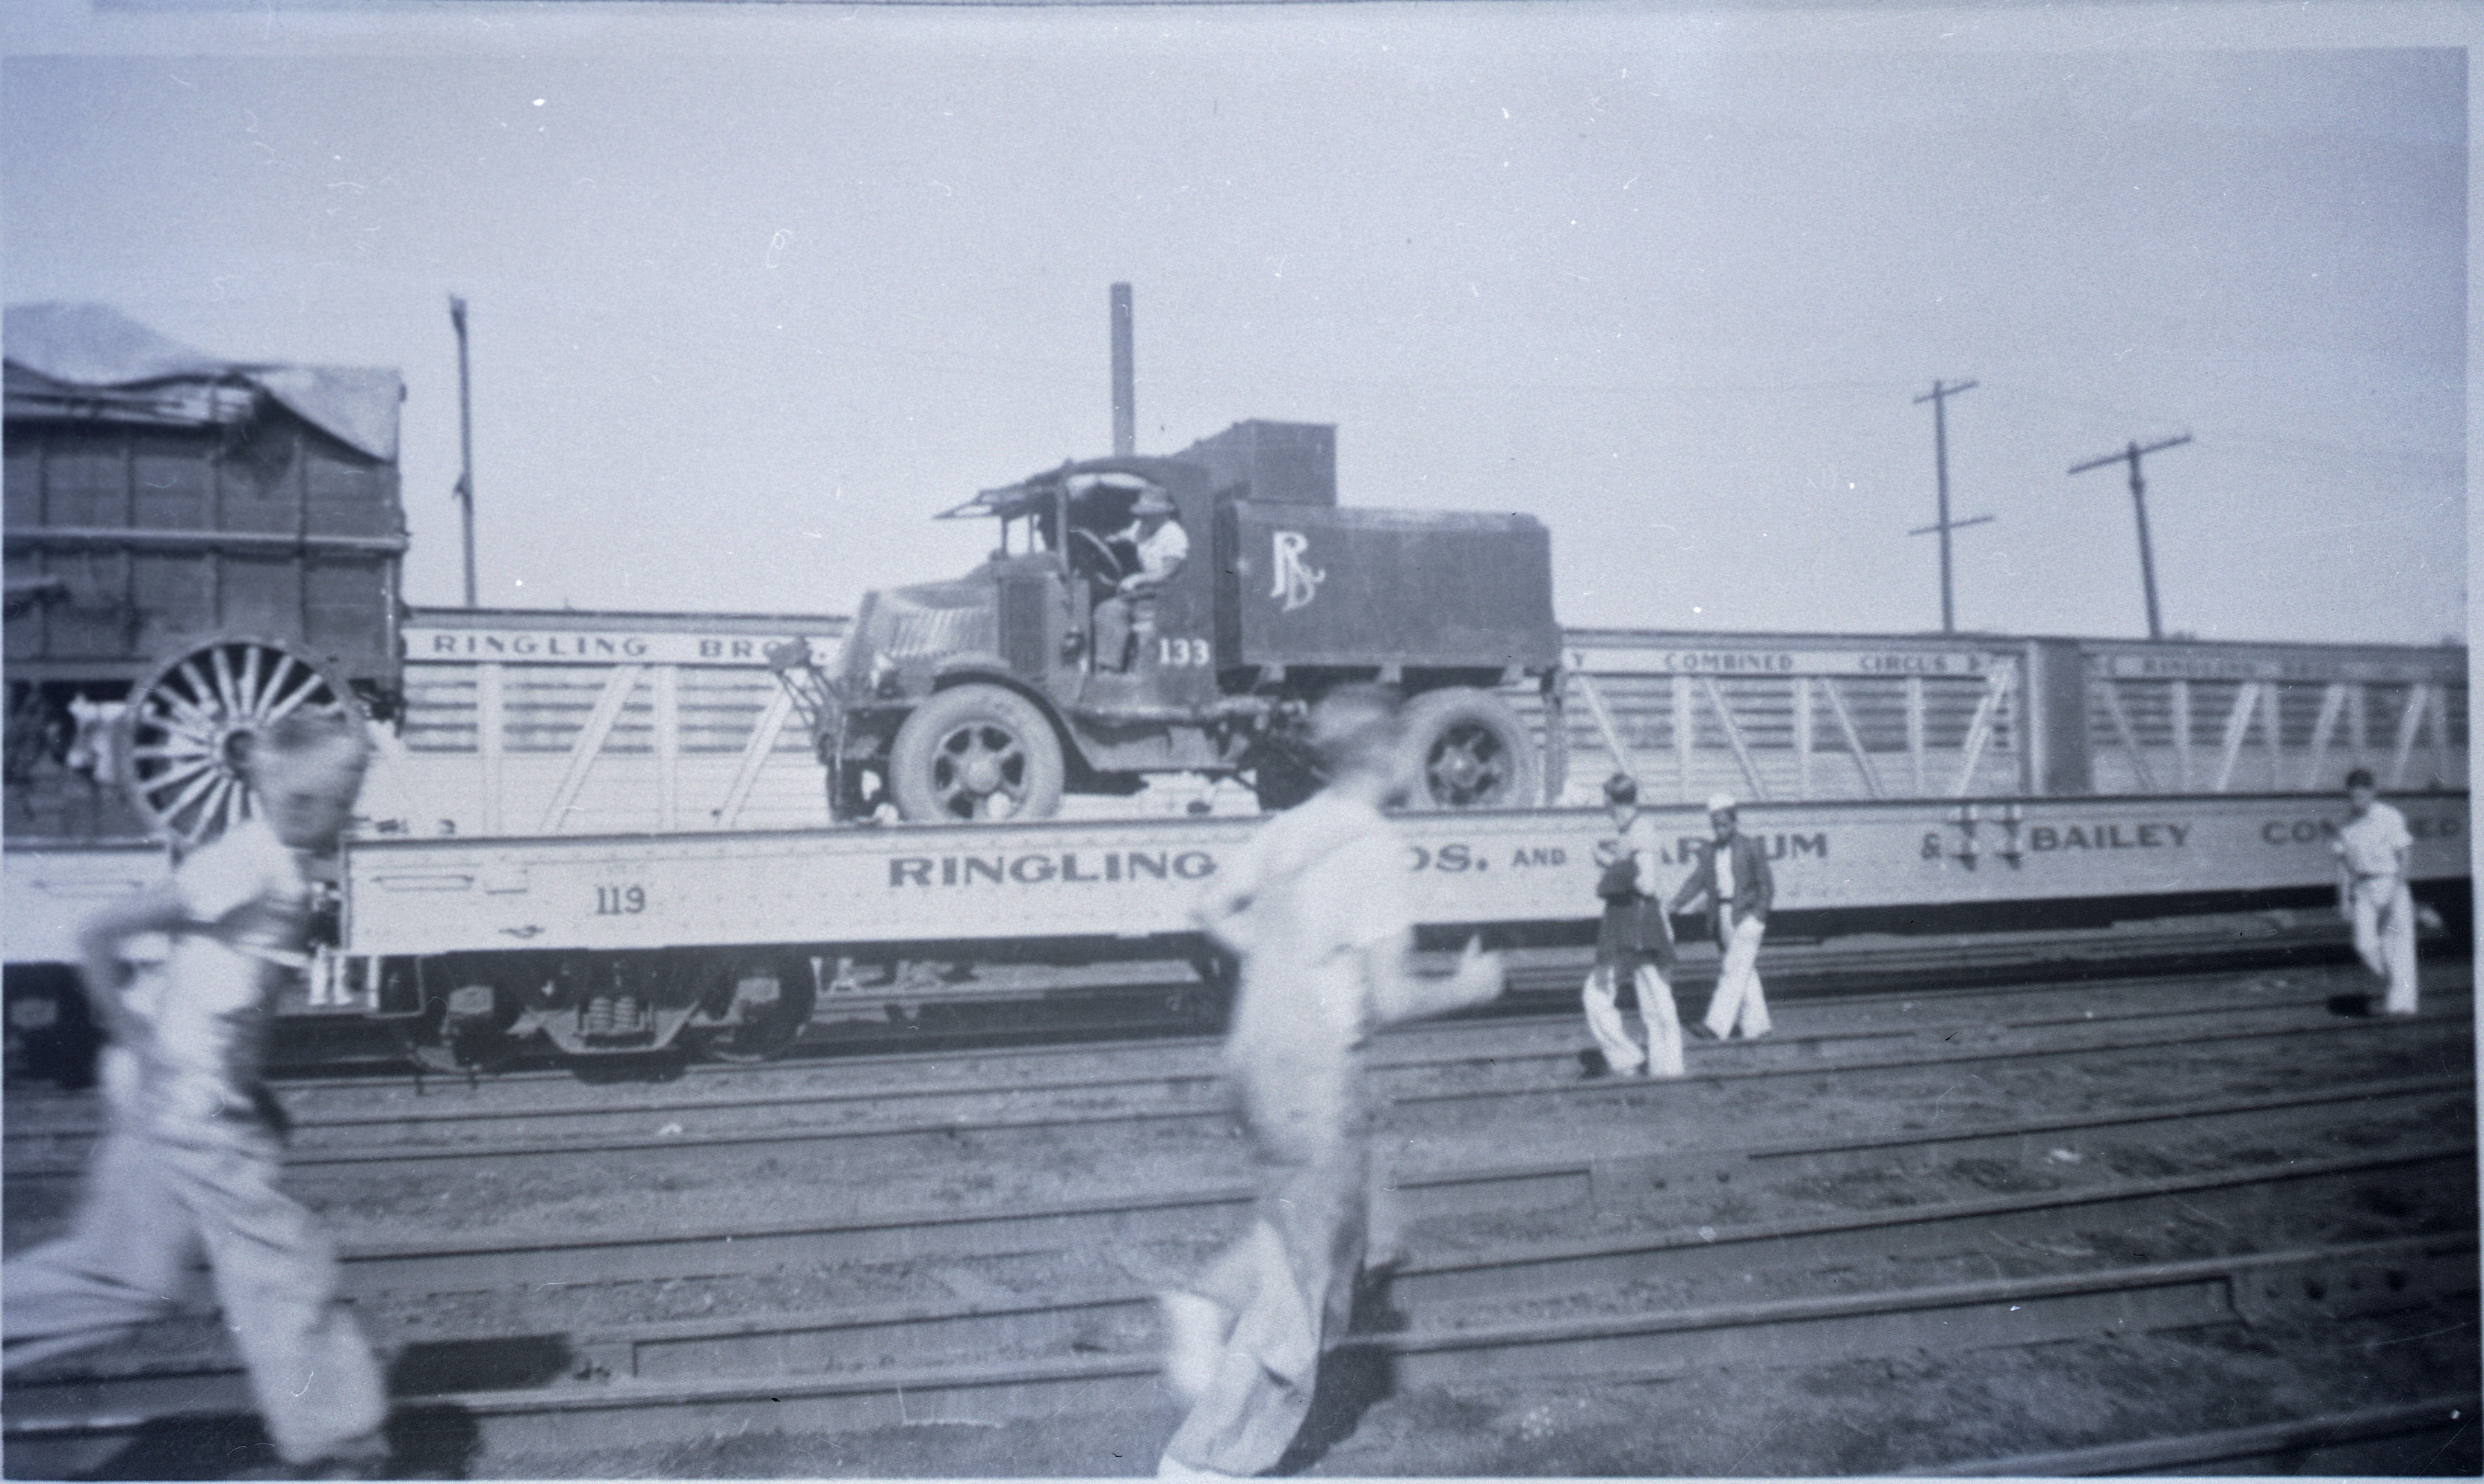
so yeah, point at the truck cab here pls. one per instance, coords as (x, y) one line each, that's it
(1058, 666)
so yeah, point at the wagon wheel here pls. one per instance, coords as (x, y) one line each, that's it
(191, 727)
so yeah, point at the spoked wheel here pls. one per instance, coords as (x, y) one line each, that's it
(192, 726)
(976, 752)
(777, 998)
(1471, 751)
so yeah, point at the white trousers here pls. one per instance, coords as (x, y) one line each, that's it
(1738, 1000)
(151, 1202)
(1656, 1011)
(2384, 915)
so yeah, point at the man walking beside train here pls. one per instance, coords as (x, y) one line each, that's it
(1732, 874)
(1316, 906)
(1634, 946)
(2372, 890)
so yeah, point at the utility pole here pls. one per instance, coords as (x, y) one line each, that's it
(1939, 397)
(465, 443)
(2139, 505)
(1126, 399)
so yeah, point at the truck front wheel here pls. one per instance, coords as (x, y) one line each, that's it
(1469, 751)
(976, 752)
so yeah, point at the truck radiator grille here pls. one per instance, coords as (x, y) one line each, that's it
(908, 631)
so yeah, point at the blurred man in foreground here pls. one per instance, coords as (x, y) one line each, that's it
(192, 1156)
(1316, 907)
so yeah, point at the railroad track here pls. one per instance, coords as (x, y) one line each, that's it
(338, 1050)
(1490, 1301)
(2411, 1438)
(924, 1097)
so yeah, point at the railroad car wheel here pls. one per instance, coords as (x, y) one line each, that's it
(189, 730)
(976, 752)
(451, 1037)
(773, 1017)
(1469, 751)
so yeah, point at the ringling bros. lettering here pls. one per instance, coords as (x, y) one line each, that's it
(1038, 868)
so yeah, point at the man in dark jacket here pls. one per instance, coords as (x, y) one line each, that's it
(1733, 874)
(1634, 946)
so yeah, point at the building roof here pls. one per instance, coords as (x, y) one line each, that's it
(56, 349)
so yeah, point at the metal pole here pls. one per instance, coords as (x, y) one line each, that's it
(1126, 400)
(2146, 547)
(1939, 397)
(1940, 474)
(2139, 505)
(465, 443)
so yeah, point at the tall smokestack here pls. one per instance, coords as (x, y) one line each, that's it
(1126, 396)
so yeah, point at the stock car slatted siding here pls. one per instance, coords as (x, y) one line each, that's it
(2347, 705)
(1913, 736)
(2318, 740)
(556, 675)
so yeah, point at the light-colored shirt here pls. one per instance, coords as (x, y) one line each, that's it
(1161, 555)
(207, 1006)
(1325, 885)
(2369, 845)
(1640, 838)
(1724, 874)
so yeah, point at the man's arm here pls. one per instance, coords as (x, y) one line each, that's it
(102, 971)
(1397, 994)
(1223, 907)
(1221, 911)
(1764, 878)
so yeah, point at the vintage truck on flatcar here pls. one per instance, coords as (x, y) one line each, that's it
(194, 547)
(988, 697)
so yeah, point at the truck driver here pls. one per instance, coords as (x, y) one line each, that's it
(1161, 547)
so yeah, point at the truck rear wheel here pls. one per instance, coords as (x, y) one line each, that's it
(976, 752)
(1470, 750)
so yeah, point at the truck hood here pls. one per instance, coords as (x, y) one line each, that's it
(930, 621)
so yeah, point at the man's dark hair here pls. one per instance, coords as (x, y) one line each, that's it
(2359, 778)
(1621, 789)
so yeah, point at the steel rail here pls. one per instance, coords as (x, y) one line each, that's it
(64, 1157)
(2293, 1447)
(712, 1248)
(36, 1127)
(1950, 964)
(626, 1409)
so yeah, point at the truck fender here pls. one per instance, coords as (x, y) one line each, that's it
(988, 670)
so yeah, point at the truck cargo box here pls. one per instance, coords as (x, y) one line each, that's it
(1270, 463)
(1302, 585)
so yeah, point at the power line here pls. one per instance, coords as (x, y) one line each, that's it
(2139, 505)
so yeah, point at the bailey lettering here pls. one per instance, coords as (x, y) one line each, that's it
(2108, 837)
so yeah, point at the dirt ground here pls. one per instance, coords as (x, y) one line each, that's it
(1857, 1416)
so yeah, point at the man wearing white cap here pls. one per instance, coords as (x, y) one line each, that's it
(1733, 874)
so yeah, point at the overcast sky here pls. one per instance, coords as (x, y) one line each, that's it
(755, 291)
